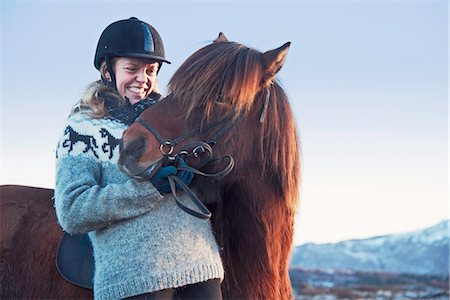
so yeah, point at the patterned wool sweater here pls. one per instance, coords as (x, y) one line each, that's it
(142, 241)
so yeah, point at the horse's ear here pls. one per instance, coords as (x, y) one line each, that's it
(273, 60)
(221, 38)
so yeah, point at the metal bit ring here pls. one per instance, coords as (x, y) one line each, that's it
(162, 148)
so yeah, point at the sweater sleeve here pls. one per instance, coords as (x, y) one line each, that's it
(87, 197)
(83, 205)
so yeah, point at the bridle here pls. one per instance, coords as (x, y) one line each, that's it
(167, 147)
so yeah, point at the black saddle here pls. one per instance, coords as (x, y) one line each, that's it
(75, 261)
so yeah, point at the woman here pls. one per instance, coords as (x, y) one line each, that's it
(145, 247)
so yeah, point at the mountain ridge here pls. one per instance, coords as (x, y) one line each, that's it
(423, 251)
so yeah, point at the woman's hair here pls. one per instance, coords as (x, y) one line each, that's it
(93, 99)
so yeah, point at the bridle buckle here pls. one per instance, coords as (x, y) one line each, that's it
(198, 150)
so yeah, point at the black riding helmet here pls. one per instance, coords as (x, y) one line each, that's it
(128, 38)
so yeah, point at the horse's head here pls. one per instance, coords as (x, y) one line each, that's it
(222, 84)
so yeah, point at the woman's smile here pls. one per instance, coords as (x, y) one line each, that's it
(138, 90)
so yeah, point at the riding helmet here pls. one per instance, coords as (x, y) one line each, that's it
(130, 38)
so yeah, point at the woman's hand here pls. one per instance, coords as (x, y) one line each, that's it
(160, 179)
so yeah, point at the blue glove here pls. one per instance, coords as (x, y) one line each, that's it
(160, 181)
(185, 176)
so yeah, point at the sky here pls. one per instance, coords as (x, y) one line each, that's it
(367, 80)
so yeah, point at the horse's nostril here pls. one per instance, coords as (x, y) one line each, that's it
(134, 149)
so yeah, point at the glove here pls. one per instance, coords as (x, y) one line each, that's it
(185, 176)
(160, 181)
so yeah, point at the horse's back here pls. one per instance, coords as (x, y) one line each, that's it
(23, 207)
(29, 235)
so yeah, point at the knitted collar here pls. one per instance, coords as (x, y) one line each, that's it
(127, 112)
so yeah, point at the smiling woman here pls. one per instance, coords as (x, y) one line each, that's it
(143, 246)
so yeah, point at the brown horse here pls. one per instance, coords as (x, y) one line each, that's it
(254, 213)
(29, 237)
(253, 216)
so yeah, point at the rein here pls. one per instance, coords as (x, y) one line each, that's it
(199, 147)
(204, 212)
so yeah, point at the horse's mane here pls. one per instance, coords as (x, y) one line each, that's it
(260, 197)
(232, 73)
(279, 141)
(227, 72)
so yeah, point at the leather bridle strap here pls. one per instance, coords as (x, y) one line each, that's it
(151, 129)
(213, 140)
(218, 175)
(172, 143)
(203, 212)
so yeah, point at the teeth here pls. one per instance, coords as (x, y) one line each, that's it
(136, 90)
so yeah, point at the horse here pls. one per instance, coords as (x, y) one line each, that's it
(253, 215)
(225, 95)
(29, 238)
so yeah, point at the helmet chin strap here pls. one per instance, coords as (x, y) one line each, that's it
(160, 63)
(109, 83)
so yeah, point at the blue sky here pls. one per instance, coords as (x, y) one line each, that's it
(368, 81)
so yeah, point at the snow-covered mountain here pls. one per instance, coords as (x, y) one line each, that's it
(419, 252)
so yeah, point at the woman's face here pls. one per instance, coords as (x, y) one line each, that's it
(135, 77)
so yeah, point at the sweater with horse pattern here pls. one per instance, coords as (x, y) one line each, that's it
(142, 241)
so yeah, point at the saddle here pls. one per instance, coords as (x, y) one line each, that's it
(75, 260)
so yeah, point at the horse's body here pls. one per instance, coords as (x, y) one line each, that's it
(253, 213)
(29, 241)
